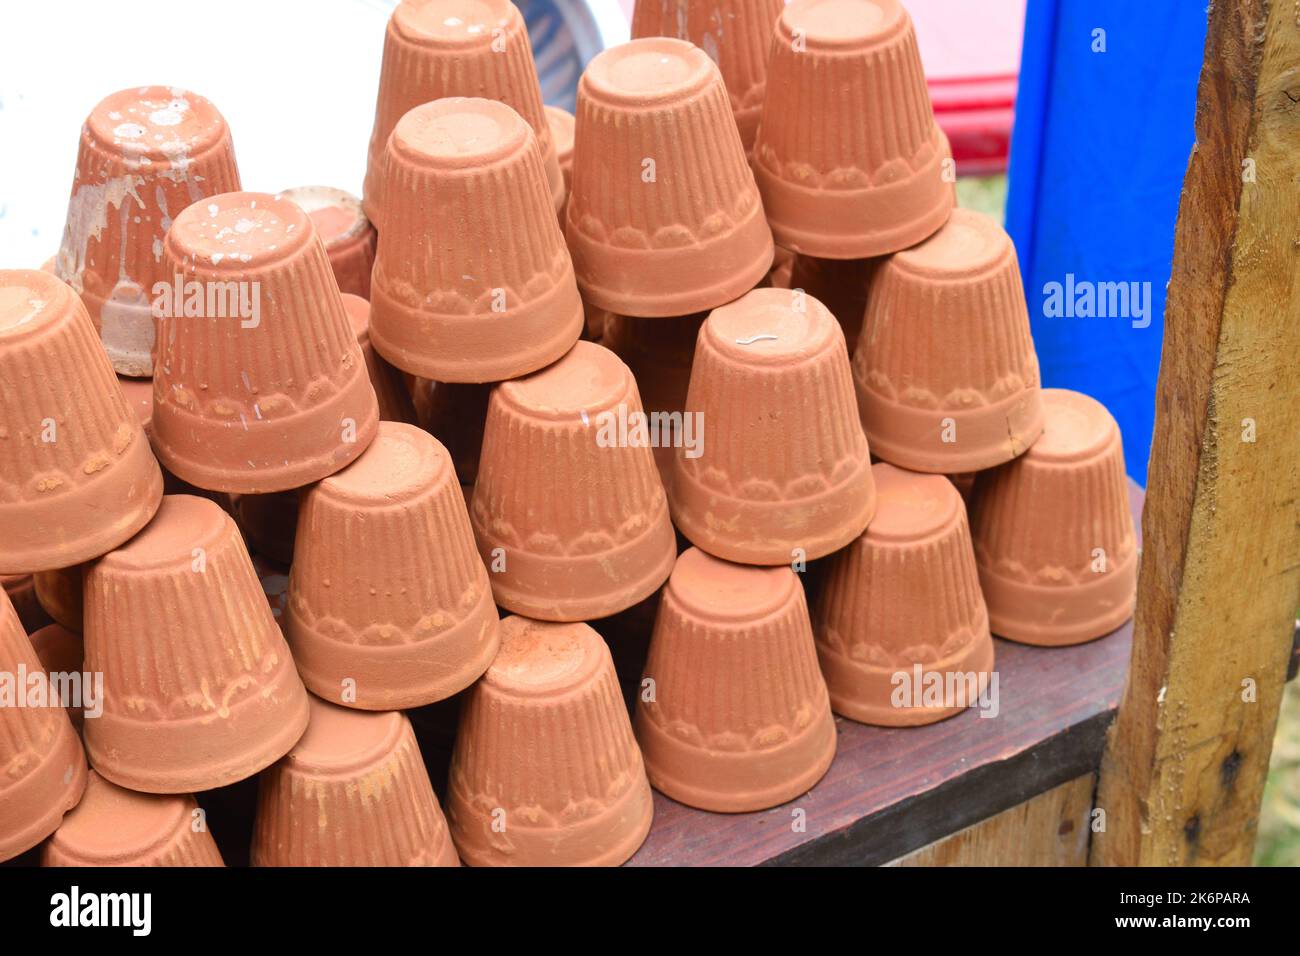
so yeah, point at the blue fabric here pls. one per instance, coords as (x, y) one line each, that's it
(1100, 146)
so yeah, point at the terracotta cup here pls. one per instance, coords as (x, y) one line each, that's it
(76, 474)
(736, 34)
(784, 473)
(546, 771)
(840, 285)
(456, 415)
(445, 48)
(265, 388)
(664, 217)
(199, 687)
(389, 604)
(902, 630)
(116, 827)
(849, 158)
(349, 237)
(562, 124)
(352, 792)
(568, 509)
(1054, 536)
(660, 353)
(146, 153)
(269, 523)
(62, 651)
(44, 765)
(946, 374)
(390, 383)
(62, 595)
(472, 282)
(770, 736)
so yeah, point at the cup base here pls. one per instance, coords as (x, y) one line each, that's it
(725, 782)
(1047, 616)
(912, 437)
(179, 757)
(862, 692)
(397, 676)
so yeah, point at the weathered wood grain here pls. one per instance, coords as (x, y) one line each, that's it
(1220, 573)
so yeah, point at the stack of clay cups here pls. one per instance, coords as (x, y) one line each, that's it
(456, 48)
(849, 158)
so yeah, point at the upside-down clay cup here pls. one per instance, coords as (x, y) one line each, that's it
(1054, 536)
(783, 472)
(659, 353)
(264, 387)
(664, 217)
(849, 158)
(546, 771)
(569, 511)
(77, 477)
(199, 687)
(770, 736)
(737, 34)
(138, 393)
(146, 153)
(390, 385)
(472, 282)
(348, 235)
(945, 370)
(352, 792)
(448, 48)
(840, 285)
(116, 827)
(389, 604)
(43, 763)
(904, 599)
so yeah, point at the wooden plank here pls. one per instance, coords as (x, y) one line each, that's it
(892, 791)
(1220, 574)
(1052, 829)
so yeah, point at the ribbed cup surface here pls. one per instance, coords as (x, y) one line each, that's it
(740, 718)
(199, 687)
(840, 285)
(116, 827)
(265, 389)
(568, 509)
(387, 589)
(145, 154)
(393, 396)
(784, 463)
(349, 237)
(44, 766)
(664, 218)
(77, 477)
(848, 155)
(1053, 534)
(442, 48)
(456, 415)
(904, 593)
(946, 372)
(736, 34)
(472, 281)
(352, 792)
(546, 771)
